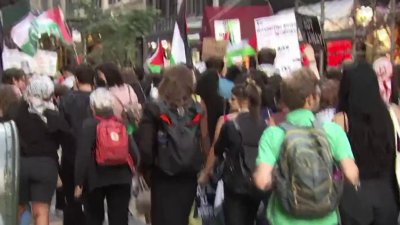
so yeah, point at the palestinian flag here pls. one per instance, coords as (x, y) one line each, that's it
(27, 33)
(180, 52)
(20, 34)
(156, 62)
(238, 51)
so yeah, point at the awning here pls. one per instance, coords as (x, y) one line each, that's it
(337, 14)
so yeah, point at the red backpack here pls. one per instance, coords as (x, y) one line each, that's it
(112, 143)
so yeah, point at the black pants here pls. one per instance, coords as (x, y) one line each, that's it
(73, 213)
(172, 198)
(240, 209)
(117, 197)
(375, 203)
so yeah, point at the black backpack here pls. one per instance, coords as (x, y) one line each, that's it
(240, 161)
(179, 139)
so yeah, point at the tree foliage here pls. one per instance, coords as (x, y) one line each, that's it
(117, 32)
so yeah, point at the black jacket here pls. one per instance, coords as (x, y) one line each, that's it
(75, 108)
(87, 172)
(38, 138)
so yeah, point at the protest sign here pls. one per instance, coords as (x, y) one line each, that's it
(43, 63)
(228, 30)
(212, 47)
(46, 62)
(310, 30)
(280, 33)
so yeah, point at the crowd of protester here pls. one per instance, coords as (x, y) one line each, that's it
(298, 150)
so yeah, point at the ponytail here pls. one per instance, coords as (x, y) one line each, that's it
(253, 93)
(250, 92)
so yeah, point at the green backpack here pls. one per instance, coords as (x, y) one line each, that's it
(308, 183)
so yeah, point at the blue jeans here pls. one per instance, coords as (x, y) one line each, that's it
(26, 217)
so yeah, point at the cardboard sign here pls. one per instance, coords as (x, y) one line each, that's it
(280, 33)
(310, 30)
(213, 48)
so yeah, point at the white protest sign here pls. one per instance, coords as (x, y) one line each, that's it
(46, 62)
(228, 30)
(280, 33)
(43, 63)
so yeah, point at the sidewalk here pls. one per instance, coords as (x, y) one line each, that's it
(58, 219)
(54, 220)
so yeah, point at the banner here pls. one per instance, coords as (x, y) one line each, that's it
(228, 30)
(310, 30)
(43, 63)
(280, 33)
(212, 47)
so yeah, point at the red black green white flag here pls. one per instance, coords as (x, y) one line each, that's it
(27, 33)
(180, 51)
(156, 62)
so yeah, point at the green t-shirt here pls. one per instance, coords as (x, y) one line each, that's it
(269, 149)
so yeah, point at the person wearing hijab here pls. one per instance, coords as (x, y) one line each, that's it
(366, 119)
(41, 129)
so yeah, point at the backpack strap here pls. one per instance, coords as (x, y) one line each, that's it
(317, 124)
(285, 126)
(129, 93)
(141, 90)
(119, 100)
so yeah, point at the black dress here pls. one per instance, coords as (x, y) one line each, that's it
(39, 143)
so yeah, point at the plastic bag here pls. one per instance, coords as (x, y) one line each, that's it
(219, 197)
(192, 219)
(143, 199)
(205, 209)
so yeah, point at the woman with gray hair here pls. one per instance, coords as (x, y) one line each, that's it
(41, 129)
(102, 181)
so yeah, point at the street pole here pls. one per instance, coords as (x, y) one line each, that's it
(392, 29)
(322, 53)
(2, 39)
(296, 5)
(356, 4)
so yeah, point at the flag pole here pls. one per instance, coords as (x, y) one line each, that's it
(2, 43)
(392, 14)
(322, 51)
(69, 31)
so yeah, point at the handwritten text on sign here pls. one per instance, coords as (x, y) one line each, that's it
(310, 30)
(280, 33)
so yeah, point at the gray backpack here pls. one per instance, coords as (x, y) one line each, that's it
(308, 183)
